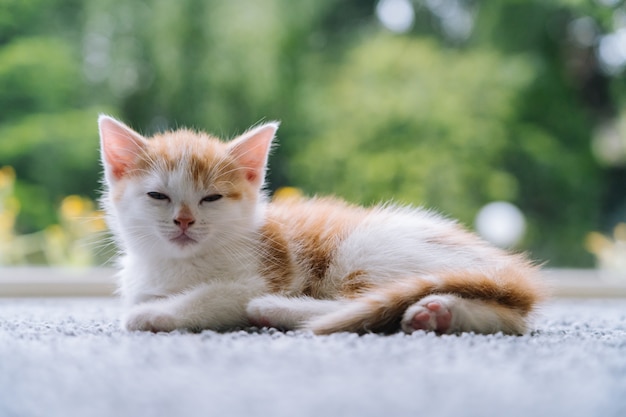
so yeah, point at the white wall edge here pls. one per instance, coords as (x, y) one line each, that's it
(33, 281)
(586, 283)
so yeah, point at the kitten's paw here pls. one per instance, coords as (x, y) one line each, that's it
(276, 311)
(264, 312)
(150, 320)
(432, 313)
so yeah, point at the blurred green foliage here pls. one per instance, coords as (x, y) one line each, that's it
(399, 128)
(445, 115)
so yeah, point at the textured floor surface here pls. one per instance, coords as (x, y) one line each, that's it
(67, 357)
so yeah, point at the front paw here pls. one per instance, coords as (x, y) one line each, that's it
(257, 314)
(150, 320)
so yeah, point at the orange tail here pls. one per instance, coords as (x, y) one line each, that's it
(380, 310)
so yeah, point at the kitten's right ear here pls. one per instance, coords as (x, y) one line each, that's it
(119, 146)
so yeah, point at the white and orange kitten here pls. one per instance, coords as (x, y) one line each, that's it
(202, 248)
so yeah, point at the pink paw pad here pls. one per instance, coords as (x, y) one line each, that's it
(433, 316)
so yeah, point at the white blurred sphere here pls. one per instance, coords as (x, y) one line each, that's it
(501, 223)
(396, 15)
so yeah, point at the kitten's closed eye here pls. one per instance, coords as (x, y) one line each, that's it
(212, 197)
(157, 195)
(160, 196)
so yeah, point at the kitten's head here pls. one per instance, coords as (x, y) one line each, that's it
(179, 193)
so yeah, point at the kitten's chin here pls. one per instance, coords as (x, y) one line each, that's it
(178, 251)
(180, 246)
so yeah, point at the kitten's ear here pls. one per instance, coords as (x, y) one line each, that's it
(252, 149)
(119, 145)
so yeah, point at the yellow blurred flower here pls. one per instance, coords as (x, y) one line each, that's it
(286, 193)
(68, 243)
(7, 221)
(609, 252)
(10, 205)
(7, 177)
(74, 206)
(55, 233)
(96, 221)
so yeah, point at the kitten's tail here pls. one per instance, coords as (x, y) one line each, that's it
(516, 288)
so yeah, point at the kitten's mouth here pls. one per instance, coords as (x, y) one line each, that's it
(183, 240)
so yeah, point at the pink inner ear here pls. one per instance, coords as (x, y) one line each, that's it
(251, 151)
(118, 165)
(115, 158)
(120, 146)
(251, 176)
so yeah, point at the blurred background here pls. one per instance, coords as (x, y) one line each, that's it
(507, 114)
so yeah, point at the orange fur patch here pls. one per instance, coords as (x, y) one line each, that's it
(185, 212)
(510, 288)
(276, 266)
(355, 284)
(314, 233)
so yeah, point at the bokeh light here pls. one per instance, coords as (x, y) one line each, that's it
(396, 15)
(501, 223)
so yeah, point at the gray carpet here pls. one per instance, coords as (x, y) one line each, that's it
(67, 357)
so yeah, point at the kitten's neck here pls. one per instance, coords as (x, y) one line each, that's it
(147, 277)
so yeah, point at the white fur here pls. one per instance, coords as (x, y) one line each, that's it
(289, 312)
(397, 242)
(152, 266)
(215, 305)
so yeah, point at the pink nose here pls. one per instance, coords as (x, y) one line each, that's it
(184, 222)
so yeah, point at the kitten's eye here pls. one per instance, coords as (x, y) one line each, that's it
(157, 196)
(212, 197)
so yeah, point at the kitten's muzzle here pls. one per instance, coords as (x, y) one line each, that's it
(184, 223)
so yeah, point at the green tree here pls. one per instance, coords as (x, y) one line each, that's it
(496, 101)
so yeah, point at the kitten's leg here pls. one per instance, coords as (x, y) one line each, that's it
(214, 306)
(288, 312)
(446, 313)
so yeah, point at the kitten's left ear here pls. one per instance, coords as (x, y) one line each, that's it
(252, 149)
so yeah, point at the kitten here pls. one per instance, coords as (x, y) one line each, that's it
(204, 249)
